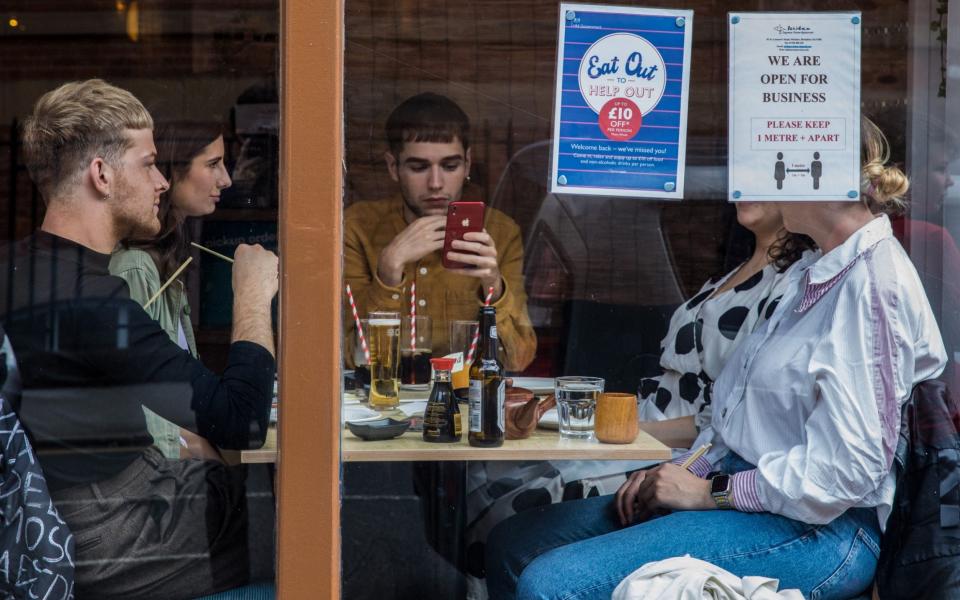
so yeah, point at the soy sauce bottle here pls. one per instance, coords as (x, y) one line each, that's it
(487, 386)
(441, 419)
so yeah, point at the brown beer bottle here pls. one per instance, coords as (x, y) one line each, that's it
(487, 386)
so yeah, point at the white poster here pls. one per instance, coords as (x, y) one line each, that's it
(794, 106)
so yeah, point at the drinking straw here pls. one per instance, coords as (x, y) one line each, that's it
(693, 457)
(413, 316)
(356, 319)
(213, 252)
(169, 281)
(476, 335)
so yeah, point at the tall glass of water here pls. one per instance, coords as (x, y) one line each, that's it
(576, 405)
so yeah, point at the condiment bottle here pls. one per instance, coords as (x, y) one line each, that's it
(441, 419)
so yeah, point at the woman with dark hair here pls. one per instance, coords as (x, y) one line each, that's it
(190, 156)
(675, 403)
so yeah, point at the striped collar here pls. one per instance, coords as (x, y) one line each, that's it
(826, 272)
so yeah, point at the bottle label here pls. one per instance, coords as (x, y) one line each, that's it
(433, 423)
(476, 405)
(493, 332)
(458, 362)
(501, 399)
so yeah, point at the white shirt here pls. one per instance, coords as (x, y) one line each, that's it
(813, 397)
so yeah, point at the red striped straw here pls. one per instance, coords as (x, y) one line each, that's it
(356, 319)
(413, 316)
(476, 335)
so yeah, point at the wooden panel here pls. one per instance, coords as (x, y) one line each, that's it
(308, 541)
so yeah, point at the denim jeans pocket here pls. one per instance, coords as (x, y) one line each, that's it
(854, 574)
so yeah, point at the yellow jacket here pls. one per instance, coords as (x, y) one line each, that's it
(442, 295)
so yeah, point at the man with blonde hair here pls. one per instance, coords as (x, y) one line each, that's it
(90, 358)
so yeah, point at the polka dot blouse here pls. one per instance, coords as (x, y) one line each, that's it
(703, 332)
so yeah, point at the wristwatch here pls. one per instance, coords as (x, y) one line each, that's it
(720, 491)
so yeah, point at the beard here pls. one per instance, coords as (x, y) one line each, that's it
(411, 206)
(132, 217)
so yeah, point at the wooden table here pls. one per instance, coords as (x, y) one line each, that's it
(266, 454)
(543, 444)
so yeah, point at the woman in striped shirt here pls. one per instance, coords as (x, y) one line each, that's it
(804, 425)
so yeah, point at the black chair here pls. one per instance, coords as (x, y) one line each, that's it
(620, 343)
(920, 550)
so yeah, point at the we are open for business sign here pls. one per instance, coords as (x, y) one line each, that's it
(794, 106)
(620, 108)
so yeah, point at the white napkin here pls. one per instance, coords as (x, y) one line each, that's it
(357, 413)
(686, 578)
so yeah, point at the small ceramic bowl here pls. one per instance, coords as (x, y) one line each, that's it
(382, 429)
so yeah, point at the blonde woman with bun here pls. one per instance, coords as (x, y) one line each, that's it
(797, 484)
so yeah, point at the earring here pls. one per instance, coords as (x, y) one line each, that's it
(468, 178)
(106, 197)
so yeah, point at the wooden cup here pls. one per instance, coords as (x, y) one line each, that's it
(616, 418)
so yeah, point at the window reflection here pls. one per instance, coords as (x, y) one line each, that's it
(603, 276)
(135, 361)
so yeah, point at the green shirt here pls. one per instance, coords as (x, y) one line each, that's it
(170, 310)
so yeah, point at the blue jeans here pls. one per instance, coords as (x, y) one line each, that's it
(578, 550)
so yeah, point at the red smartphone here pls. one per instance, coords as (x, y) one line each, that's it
(462, 218)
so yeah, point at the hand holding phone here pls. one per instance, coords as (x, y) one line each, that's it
(462, 218)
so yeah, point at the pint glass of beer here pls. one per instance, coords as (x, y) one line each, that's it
(384, 343)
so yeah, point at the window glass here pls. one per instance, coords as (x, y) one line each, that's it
(610, 287)
(139, 154)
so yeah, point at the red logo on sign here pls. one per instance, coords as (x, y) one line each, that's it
(620, 119)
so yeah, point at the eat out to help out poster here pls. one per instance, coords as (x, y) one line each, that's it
(620, 107)
(794, 109)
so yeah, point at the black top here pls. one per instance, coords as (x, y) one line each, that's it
(90, 358)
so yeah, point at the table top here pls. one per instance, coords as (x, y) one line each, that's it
(541, 445)
(266, 454)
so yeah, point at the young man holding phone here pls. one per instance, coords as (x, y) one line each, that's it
(390, 244)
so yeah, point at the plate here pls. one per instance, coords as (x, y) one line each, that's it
(415, 387)
(550, 420)
(351, 398)
(379, 429)
(413, 408)
(537, 385)
(358, 414)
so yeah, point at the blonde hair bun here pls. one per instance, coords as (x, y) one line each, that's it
(883, 185)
